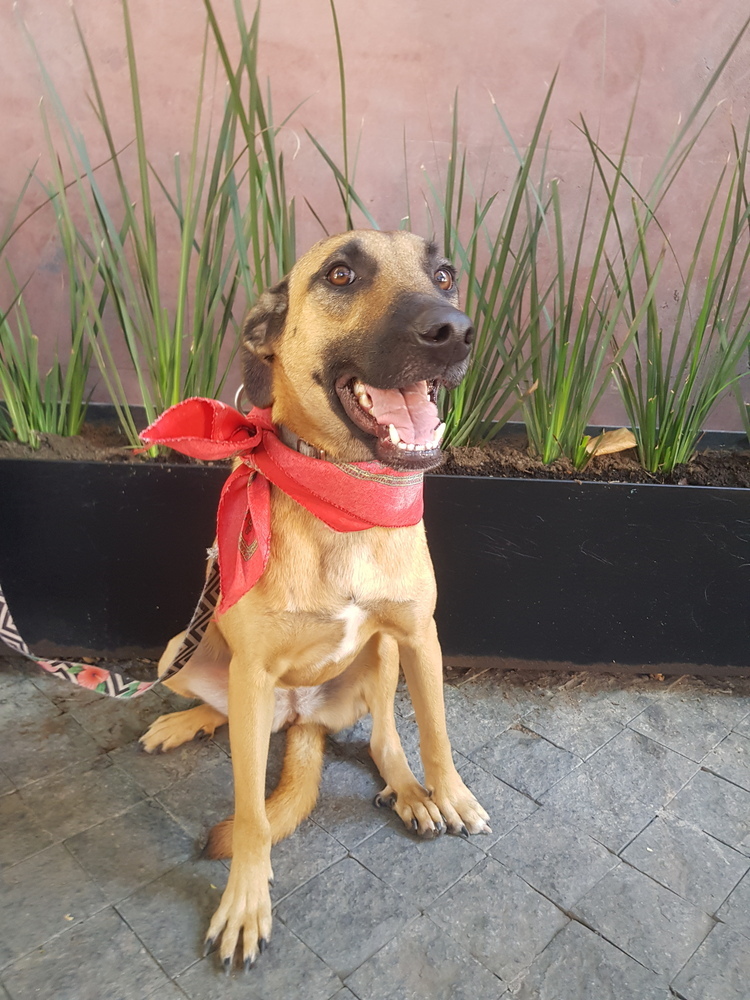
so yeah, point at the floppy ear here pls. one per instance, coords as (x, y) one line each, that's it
(263, 326)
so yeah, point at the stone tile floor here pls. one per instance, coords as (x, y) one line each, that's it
(618, 866)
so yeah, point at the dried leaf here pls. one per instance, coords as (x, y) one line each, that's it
(611, 441)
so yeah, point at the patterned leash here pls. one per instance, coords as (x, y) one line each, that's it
(111, 682)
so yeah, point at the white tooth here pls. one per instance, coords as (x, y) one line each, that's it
(402, 445)
(364, 401)
(393, 434)
(410, 447)
(359, 388)
(438, 436)
(419, 447)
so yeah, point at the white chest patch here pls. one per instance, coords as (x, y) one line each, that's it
(352, 616)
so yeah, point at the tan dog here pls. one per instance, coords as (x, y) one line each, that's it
(349, 350)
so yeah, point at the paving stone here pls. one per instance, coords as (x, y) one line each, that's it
(171, 914)
(300, 857)
(423, 963)
(198, 812)
(345, 808)
(44, 746)
(743, 727)
(498, 918)
(563, 863)
(6, 785)
(13, 670)
(420, 870)
(80, 796)
(131, 850)
(731, 760)
(690, 729)
(587, 799)
(60, 692)
(577, 725)
(169, 991)
(579, 965)
(115, 722)
(354, 740)
(717, 807)
(402, 702)
(513, 694)
(651, 924)
(288, 970)
(104, 943)
(345, 915)
(736, 909)
(689, 862)
(505, 805)
(525, 761)
(153, 772)
(472, 722)
(22, 704)
(21, 835)
(719, 970)
(641, 768)
(38, 898)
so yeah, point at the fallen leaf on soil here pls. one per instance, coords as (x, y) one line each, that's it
(611, 442)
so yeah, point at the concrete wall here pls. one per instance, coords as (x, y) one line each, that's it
(404, 61)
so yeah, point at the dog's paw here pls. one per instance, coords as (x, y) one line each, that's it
(413, 803)
(170, 731)
(243, 919)
(462, 813)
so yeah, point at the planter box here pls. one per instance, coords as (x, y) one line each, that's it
(609, 575)
(108, 559)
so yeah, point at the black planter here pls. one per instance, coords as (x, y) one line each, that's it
(592, 574)
(104, 559)
(109, 559)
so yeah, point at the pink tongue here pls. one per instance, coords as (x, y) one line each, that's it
(410, 410)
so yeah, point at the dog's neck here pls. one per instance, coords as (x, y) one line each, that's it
(292, 440)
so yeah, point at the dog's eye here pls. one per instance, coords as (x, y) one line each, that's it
(444, 279)
(341, 275)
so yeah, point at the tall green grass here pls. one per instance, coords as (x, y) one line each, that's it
(36, 401)
(226, 206)
(672, 381)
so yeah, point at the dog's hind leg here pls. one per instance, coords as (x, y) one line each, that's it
(205, 676)
(294, 797)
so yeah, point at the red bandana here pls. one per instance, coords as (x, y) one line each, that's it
(345, 497)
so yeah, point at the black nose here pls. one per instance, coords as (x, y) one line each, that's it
(441, 333)
(443, 324)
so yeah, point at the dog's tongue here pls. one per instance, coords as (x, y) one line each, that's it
(409, 409)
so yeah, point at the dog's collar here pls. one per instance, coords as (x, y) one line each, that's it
(293, 441)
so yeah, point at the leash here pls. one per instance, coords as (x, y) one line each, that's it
(113, 682)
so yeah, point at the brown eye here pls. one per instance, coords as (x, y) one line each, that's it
(341, 275)
(444, 279)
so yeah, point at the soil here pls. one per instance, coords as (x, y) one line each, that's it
(507, 457)
(97, 442)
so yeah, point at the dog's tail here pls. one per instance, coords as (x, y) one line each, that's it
(294, 797)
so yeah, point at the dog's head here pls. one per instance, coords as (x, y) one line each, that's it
(352, 346)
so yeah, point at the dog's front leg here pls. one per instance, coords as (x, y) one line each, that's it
(245, 907)
(422, 663)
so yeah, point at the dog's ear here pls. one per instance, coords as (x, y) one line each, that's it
(263, 326)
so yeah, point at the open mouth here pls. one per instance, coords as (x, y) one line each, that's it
(404, 420)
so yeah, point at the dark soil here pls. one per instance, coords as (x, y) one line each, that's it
(506, 458)
(97, 442)
(510, 460)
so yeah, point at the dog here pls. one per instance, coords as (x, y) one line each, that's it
(349, 351)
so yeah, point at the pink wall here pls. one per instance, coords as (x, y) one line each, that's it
(404, 62)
